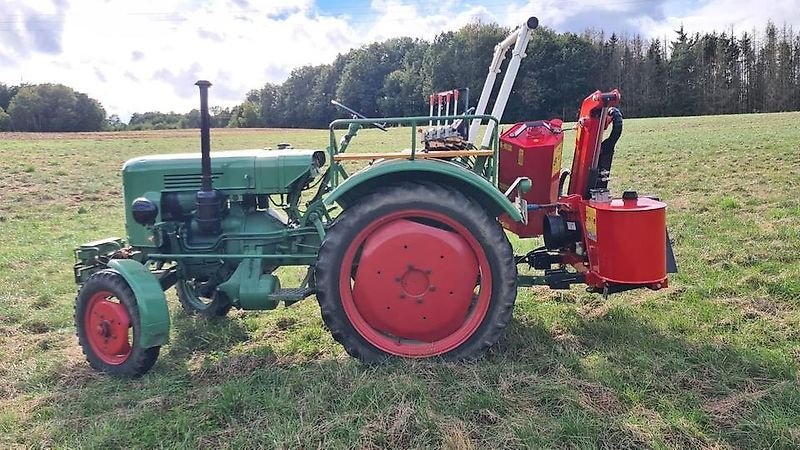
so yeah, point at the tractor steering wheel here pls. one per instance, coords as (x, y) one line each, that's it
(357, 114)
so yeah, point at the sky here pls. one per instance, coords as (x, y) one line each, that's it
(145, 55)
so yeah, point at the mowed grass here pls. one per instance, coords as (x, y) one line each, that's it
(711, 362)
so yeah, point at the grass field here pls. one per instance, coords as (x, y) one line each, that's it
(712, 362)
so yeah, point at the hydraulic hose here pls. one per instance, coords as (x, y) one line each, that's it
(607, 148)
(616, 128)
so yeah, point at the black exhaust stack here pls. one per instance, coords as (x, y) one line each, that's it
(207, 200)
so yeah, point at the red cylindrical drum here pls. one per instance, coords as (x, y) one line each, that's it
(627, 240)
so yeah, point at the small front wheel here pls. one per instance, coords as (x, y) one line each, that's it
(108, 326)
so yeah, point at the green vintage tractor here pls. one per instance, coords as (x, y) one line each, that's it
(415, 225)
(407, 256)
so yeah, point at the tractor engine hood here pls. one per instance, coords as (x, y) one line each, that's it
(234, 172)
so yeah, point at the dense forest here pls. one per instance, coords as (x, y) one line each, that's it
(712, 73)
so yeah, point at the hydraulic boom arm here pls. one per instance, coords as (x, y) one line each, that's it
(519, 39)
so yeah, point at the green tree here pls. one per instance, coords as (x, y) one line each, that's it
(266, 106)
(89, 114)
(113, 123)
(5, 121)
(785, 79)
(749, 74)
(460, 59)
(633, 83)
(796, 74)
(768, 67)
(320, 110)
(156, 120)
(683, 79)
(54, 107)
(6, 94)
(297, 100)
(402, 90)
(192, 119)
(610, 64)
(730, 80)
(655, 72)
(250, 115)
(563, 66)
(363, 76)
(220, 117)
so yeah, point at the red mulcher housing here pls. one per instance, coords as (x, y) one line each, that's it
(614, 244)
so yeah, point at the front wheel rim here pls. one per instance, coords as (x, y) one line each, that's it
(108, 328)
(415, 283)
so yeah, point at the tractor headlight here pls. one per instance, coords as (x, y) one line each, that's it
(144, 211)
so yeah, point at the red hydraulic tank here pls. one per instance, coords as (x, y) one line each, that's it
(533, 150)
(627, 240)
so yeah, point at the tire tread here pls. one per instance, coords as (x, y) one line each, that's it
(141, 359)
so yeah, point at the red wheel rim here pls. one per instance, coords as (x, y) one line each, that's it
(106, 325)
(412, 292)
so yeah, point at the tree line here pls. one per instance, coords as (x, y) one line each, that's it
(55, 107)
(48, 107)
(219, 118)
(710, 73)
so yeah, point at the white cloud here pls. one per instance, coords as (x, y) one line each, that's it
(28, 27)
(138, 56)
(725, 15)
(145, 55)
(398, 18)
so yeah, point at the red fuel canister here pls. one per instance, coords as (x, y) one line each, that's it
(627, 240)
(533, 150)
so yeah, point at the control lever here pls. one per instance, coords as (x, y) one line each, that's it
(357, 114)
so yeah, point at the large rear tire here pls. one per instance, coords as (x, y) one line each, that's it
(416, 271)
(108, 326)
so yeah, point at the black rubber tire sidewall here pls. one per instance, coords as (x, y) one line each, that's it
(486, 230)
(215, 308)
(141, 359)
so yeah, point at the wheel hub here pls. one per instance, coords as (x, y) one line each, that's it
(415, 281)
(104, 329)
(110, 322)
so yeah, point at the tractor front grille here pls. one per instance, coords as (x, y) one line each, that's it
(186, 181)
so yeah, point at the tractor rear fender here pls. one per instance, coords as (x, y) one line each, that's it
(441, 172)
(150, 299)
